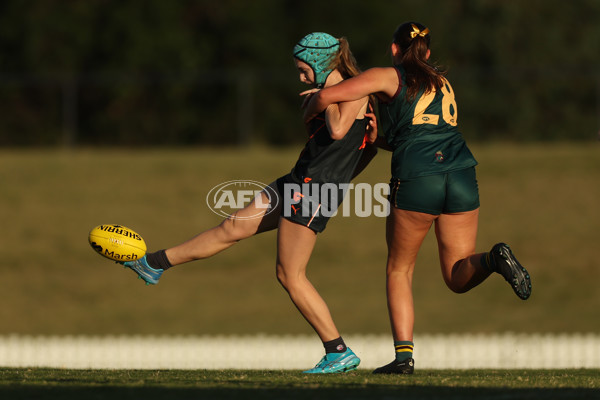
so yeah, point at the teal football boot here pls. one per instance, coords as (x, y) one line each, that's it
(335, 363)
(144, 271)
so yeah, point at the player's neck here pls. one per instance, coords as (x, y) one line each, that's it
(333, 78)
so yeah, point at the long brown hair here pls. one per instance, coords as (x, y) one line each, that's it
(413, 39)
(344, 60)
(346, 64)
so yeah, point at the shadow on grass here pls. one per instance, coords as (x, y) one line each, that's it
(31, 392)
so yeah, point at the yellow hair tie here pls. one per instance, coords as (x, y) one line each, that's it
(416, 31)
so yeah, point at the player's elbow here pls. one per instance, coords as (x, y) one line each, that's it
(336, 133)
(319, 100)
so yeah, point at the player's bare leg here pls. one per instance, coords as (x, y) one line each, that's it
(462, 269)
(405, 231)
(236, 227)
(295, 243)
(457, 234)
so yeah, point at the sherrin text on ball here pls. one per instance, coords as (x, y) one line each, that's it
(117, 242)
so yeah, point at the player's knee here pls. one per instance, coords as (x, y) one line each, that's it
(399, 271)
(288, 281)
(454, 277)
(235, 229)
(282, 277)
(455, 286)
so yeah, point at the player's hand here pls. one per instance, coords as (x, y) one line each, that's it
(307, 96)
(371, 126)
(309, 105)
(309, 91)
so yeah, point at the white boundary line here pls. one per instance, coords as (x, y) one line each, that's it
(460, 351)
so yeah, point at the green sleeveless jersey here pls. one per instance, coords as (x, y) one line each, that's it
(423, 132)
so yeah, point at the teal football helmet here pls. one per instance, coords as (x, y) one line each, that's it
(317, 49)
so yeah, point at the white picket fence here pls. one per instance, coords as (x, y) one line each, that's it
(462, 351)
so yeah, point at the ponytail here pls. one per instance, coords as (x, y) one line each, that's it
(413, 39)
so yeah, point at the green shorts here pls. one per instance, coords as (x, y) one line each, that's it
(453, 192)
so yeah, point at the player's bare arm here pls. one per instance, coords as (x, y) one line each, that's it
(340, 117)
(378, 81)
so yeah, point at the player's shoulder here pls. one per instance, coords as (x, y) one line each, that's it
(384, 81)
(381, 72)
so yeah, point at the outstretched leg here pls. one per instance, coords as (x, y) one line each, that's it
(249, 221)
(255, 218)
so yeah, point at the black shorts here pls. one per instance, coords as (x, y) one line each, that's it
(309, 204)
(452, 192)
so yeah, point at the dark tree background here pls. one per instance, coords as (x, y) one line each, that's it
(155, 72)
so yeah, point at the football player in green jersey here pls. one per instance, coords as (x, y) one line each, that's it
(433, 180)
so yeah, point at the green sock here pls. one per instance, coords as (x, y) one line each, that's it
(404, 349)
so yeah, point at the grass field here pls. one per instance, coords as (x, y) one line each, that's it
(541, 199)
(290, 385)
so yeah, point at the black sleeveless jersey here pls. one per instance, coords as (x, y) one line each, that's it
(325, 160)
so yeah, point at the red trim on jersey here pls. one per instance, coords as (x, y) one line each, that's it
(319, 128)
(364, 143)
(399, 83)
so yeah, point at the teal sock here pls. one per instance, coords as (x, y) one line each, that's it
(404, 349)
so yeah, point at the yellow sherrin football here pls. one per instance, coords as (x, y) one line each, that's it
(117, 242)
